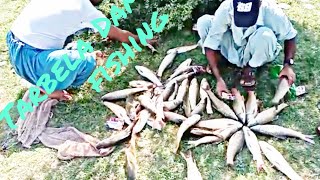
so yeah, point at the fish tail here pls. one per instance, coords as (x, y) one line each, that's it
(307, 139)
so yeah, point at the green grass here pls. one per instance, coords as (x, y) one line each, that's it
(155, 159)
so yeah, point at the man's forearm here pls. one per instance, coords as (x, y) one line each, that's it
(213, 58)
(289, 49)
(122, 35)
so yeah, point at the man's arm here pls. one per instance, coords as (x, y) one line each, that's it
(289, 49)
(118, 34)
(213, 59)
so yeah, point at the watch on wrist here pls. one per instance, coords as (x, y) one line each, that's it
(288, 61)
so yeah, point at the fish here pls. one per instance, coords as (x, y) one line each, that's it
(239, 106)
(167, 61)
(147, 103)
(220, 106)
(253, 146)
(143, 117)
(174, 93)
(267, 115)
(186, 69)
(216, 124)
(153, 50)
(276, 159)
(141, 84)
(158, 125)
(171, 105)
(115, 138)
(200, 107)
(225, 133)
(251, 107)
(119, 111)
(203, 94)
(169, 88)
(185, 63)
(159, 107)
(235, 145)
(174, 117)
(204, 140)
(121, 94)
(185, 125)
(182, 91)
(132, 107)
(281, 132)
(147, 73)
(183, 49)
(131, 162)
(201, 132)
(193, 93)
(193, 172)
(282, 89)
(183, 77)
(186, 106)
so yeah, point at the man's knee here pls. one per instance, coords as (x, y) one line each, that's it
(204, 24)
(264, 34)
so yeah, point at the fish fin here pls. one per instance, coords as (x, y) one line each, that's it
(308, 140)
(281, 137)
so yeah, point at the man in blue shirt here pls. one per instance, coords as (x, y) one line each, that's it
(247, 33)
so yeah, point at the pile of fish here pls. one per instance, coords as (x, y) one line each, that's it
(183, 99)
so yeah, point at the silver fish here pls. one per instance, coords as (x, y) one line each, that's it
(144, 115)
(204, 140)
(174, 117)
(185, 63)
(131, 161)
(121, 94)
(158, 125)
(159, 106)
(168, 90)
(282, 89)
(167, 61)
(203, 94)
(281, 132)
(141, 84)
(182, 91)
(193, 172)
(225, 133)
(193, 93)
(187, 69)
(183, 77)
(113, 139)
(185, 126)
(251, 107)
(147, 73)
(132, 107)
(253, 146)
(186, 106)
(221, 106)
(201, 132)
(171, 105)
(239, 106)
(275, 157)
(235, 144)
(119, 111)
(183, 49)
(147, 103)
(200, 107)
(174, 93)
(267, 115)
(216, 124)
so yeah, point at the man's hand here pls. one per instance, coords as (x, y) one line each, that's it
(221, 87)
(288, 72)
(152, 42)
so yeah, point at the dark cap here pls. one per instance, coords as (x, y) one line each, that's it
(246, 12)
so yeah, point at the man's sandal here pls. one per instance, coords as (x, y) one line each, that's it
(248, 80)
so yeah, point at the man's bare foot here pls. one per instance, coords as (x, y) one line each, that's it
(60, 95)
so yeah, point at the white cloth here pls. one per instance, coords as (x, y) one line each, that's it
(45, 24)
